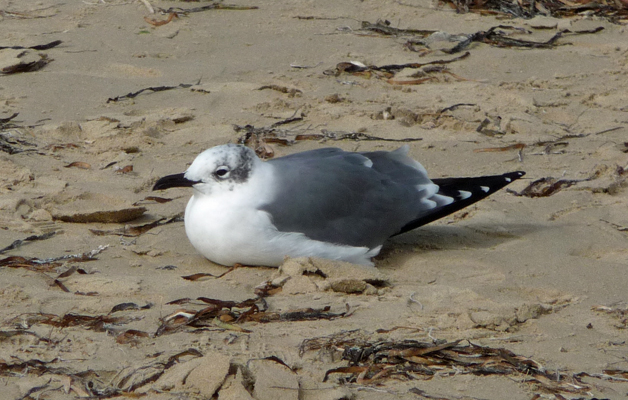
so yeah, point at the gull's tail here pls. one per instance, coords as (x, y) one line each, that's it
(464, 192)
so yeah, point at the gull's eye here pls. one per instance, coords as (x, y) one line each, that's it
(221, 172)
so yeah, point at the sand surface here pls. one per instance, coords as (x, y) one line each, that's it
(543, 277)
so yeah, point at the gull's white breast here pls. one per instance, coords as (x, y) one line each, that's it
(228, 227)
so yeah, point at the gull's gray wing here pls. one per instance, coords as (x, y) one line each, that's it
(361, 199)
(355, 199)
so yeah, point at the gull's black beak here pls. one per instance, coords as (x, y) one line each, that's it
(176, 180)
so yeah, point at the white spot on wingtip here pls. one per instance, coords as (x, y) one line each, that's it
(368, 163)
(508, 179)
(442, 200)
(429, 203)
(464, 194)
(485, 189)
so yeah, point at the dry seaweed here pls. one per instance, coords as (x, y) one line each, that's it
(456, 106)
(78, 164)
(494, 36)
(224, 314)
(408, 117)
(516, 146)
(554, 146)
(46, 264)
(152, 89)
(224, 310)
(308, 314)
(545, 187)
(371, 363)
(134, 378)
(614, 374)
(155, 22)
(199, 276)
(27, 66)
(5, 121)
(117, 215)
(258, 139)
(133, 231)
(152, 200)
(27, 263)
(33, 366)
(32, 238)
(10, 144)
(65, 274)
(355, 337)
(387, 71)
(37, 47)
(614, 11)
(498, 38)
(384, 28)
(129, 306)
(283, 89)
(61, 146)
(91, 384)
(213, 6)
(99, 323)
(357, 136)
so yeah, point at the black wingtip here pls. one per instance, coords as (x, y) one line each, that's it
(464, 191)
(514, 175)
(176, 180)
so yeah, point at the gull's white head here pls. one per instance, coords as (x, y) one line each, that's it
(215, 170)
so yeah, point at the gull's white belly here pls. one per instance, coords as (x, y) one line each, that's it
(228, 233)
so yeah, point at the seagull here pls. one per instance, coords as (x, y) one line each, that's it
(326, 203)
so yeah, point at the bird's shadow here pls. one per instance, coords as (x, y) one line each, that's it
(449, 237)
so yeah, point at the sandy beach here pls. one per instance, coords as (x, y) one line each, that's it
(520, 296)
